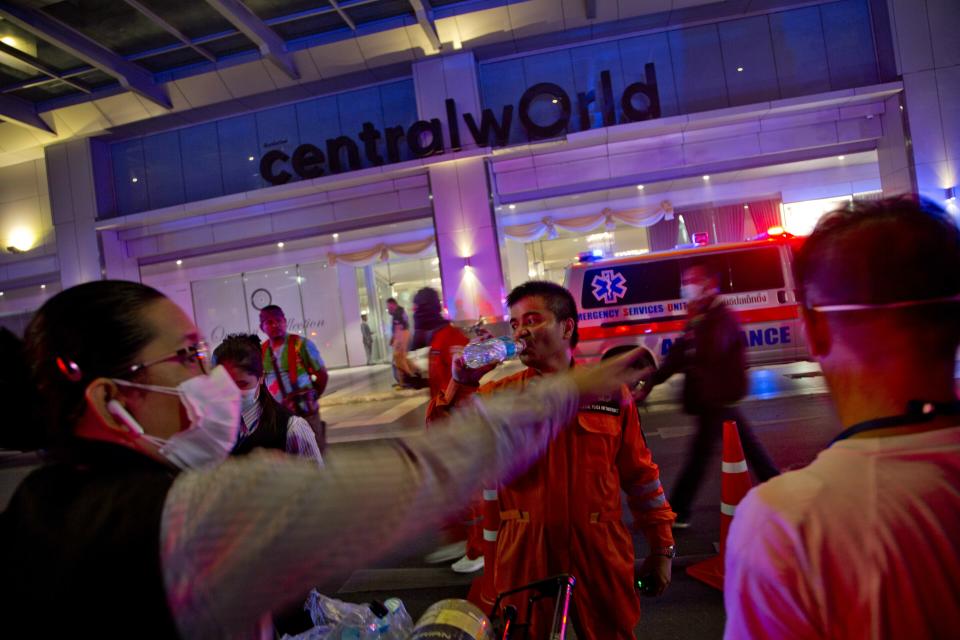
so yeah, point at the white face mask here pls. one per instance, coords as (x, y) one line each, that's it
(248, 398)
(691, 292)
(213, 406)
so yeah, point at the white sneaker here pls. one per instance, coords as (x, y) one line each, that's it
(467, 565)
(447, 552)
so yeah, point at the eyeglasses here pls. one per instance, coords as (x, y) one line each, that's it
(197, 353)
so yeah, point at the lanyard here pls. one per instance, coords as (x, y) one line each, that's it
(918, 412)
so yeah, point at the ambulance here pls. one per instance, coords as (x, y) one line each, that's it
(636, 300)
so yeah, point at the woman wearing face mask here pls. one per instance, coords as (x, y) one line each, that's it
(139, 525)
(264, 423)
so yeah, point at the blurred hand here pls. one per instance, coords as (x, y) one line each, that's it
(643, 388)
(481, 333)
(462, 374)
(660, 569)
(607, 377)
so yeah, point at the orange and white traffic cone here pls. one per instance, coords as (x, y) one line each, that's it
(483, 591)
(734, 485)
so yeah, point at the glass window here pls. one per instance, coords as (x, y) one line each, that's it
(631, 284)
(755, 270)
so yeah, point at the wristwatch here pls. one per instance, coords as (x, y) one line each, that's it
(666, 552)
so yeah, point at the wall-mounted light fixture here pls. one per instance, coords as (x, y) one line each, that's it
(21, 239)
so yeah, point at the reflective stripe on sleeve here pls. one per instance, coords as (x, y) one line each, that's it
(655, 502)
(489, 536)
(644, 489)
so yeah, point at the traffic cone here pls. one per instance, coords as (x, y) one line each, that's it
(734, 485)
(483, 590)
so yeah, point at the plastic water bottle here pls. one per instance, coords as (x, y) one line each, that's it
(480, 354)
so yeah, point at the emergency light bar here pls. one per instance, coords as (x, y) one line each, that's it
(774, 233)
(590, 256)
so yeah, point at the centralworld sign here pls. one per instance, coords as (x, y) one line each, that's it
(425, 138)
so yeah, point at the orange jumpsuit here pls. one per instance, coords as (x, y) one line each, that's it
(445, 340)
(564, 515)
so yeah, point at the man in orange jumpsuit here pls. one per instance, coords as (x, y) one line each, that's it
(564, 514)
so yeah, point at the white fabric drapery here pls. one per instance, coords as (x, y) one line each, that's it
(382, 251)
(643, 217)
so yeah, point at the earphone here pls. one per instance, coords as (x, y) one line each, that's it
(119, 412)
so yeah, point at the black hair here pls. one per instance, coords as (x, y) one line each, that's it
(92, 330)
(878, 252)
(393, 300)
(427, 317)
(242, 350)
(886, 251)
(710, 267)
(272, 308)
(18, 430)
(558, 299)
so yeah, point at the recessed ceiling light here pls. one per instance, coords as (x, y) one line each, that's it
(336, 235)
(134, 180)
(43, 286)
(739, 69)
(841, 157)
(746, 206)
(512, 207)
(179, 262)
(280, 245)
(554, 101)
(706, 177)
(250, 158)
(640, 187)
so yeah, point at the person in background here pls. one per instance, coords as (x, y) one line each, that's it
(565, 514)
(865, 541)
(141, 524)
(367, 337)
(712, 356)
(406, 372)
(446, 341)
(294, 371)
(265, 423)
(431, 329)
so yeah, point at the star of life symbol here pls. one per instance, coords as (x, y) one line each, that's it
(609, 286)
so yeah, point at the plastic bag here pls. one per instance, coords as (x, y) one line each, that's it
(338, 620)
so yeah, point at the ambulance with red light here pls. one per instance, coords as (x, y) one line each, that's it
(636, 300)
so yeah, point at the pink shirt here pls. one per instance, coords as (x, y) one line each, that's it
(862, 543)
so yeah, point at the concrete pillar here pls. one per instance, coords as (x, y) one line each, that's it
(118, 265)
(893, 154)
(73, 205)
(467, 242)
(928, 58)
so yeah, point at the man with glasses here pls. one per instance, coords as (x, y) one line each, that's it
(294, 371)
(865, 541)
